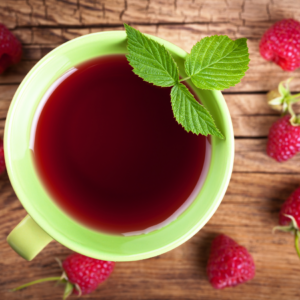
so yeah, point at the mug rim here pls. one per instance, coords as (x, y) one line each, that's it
(68, 242)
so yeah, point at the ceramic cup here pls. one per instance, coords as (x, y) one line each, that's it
(45, 220)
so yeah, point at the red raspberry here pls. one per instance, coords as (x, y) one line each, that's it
(86, 272)
(10, 49)
(2, 161)
(289, 217)
(281, 44)
(81, 274)
(229, 264)
(291, 207)
(284, 139)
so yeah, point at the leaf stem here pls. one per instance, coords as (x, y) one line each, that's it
(34, 282)
(297, 242)
(184, 79)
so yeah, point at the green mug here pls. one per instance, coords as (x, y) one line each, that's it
(45, 220)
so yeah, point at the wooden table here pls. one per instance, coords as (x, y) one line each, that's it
(258, 185)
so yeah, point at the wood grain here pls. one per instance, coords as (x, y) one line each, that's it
(246, 214)
(258, 187)
(20, 13)
(39, 41)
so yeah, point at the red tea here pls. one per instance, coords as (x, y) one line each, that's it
(110, 153)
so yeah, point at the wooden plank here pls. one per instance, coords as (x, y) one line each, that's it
(39, 41)
(16, 73)
(85, 12)
(251, 156)
(252, 126)
(6, 94)
(258, 187)
(251, 105)
(247, 215)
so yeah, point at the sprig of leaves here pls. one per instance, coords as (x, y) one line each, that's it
(150, 60)
(214, 63)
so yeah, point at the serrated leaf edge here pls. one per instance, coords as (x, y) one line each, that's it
(243, 71)
(214, 128)
(152, 40)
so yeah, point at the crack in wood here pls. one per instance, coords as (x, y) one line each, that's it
(148, 4)
(149, 12)
(199, 10)
(111, 25)
(31, 10)
(46, 9)
(79, 11)
(123, 11)
(243, 10)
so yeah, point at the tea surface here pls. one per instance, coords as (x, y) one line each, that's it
(110, 153)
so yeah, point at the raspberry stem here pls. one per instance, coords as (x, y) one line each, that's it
(288, 228)
(36, 281)
(291, 111)
(184, 79)
(294, 120)
(282, 100)
(297, 242)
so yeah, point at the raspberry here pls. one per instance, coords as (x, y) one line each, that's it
(289, 217)
(10, 49)
(290, 207)
(86, 272)
(284, 139)
(229, 264)
(281, 44)
(2, 161)
(81, 275)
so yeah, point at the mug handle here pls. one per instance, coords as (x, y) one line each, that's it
(28, 238)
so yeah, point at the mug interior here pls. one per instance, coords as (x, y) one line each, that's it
(49, 216)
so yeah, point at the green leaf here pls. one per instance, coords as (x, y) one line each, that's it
(150, 60)
(276, 101)
(190, 114)
(283, 87)
(68, 290)
(282, 90)
(217, 62)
